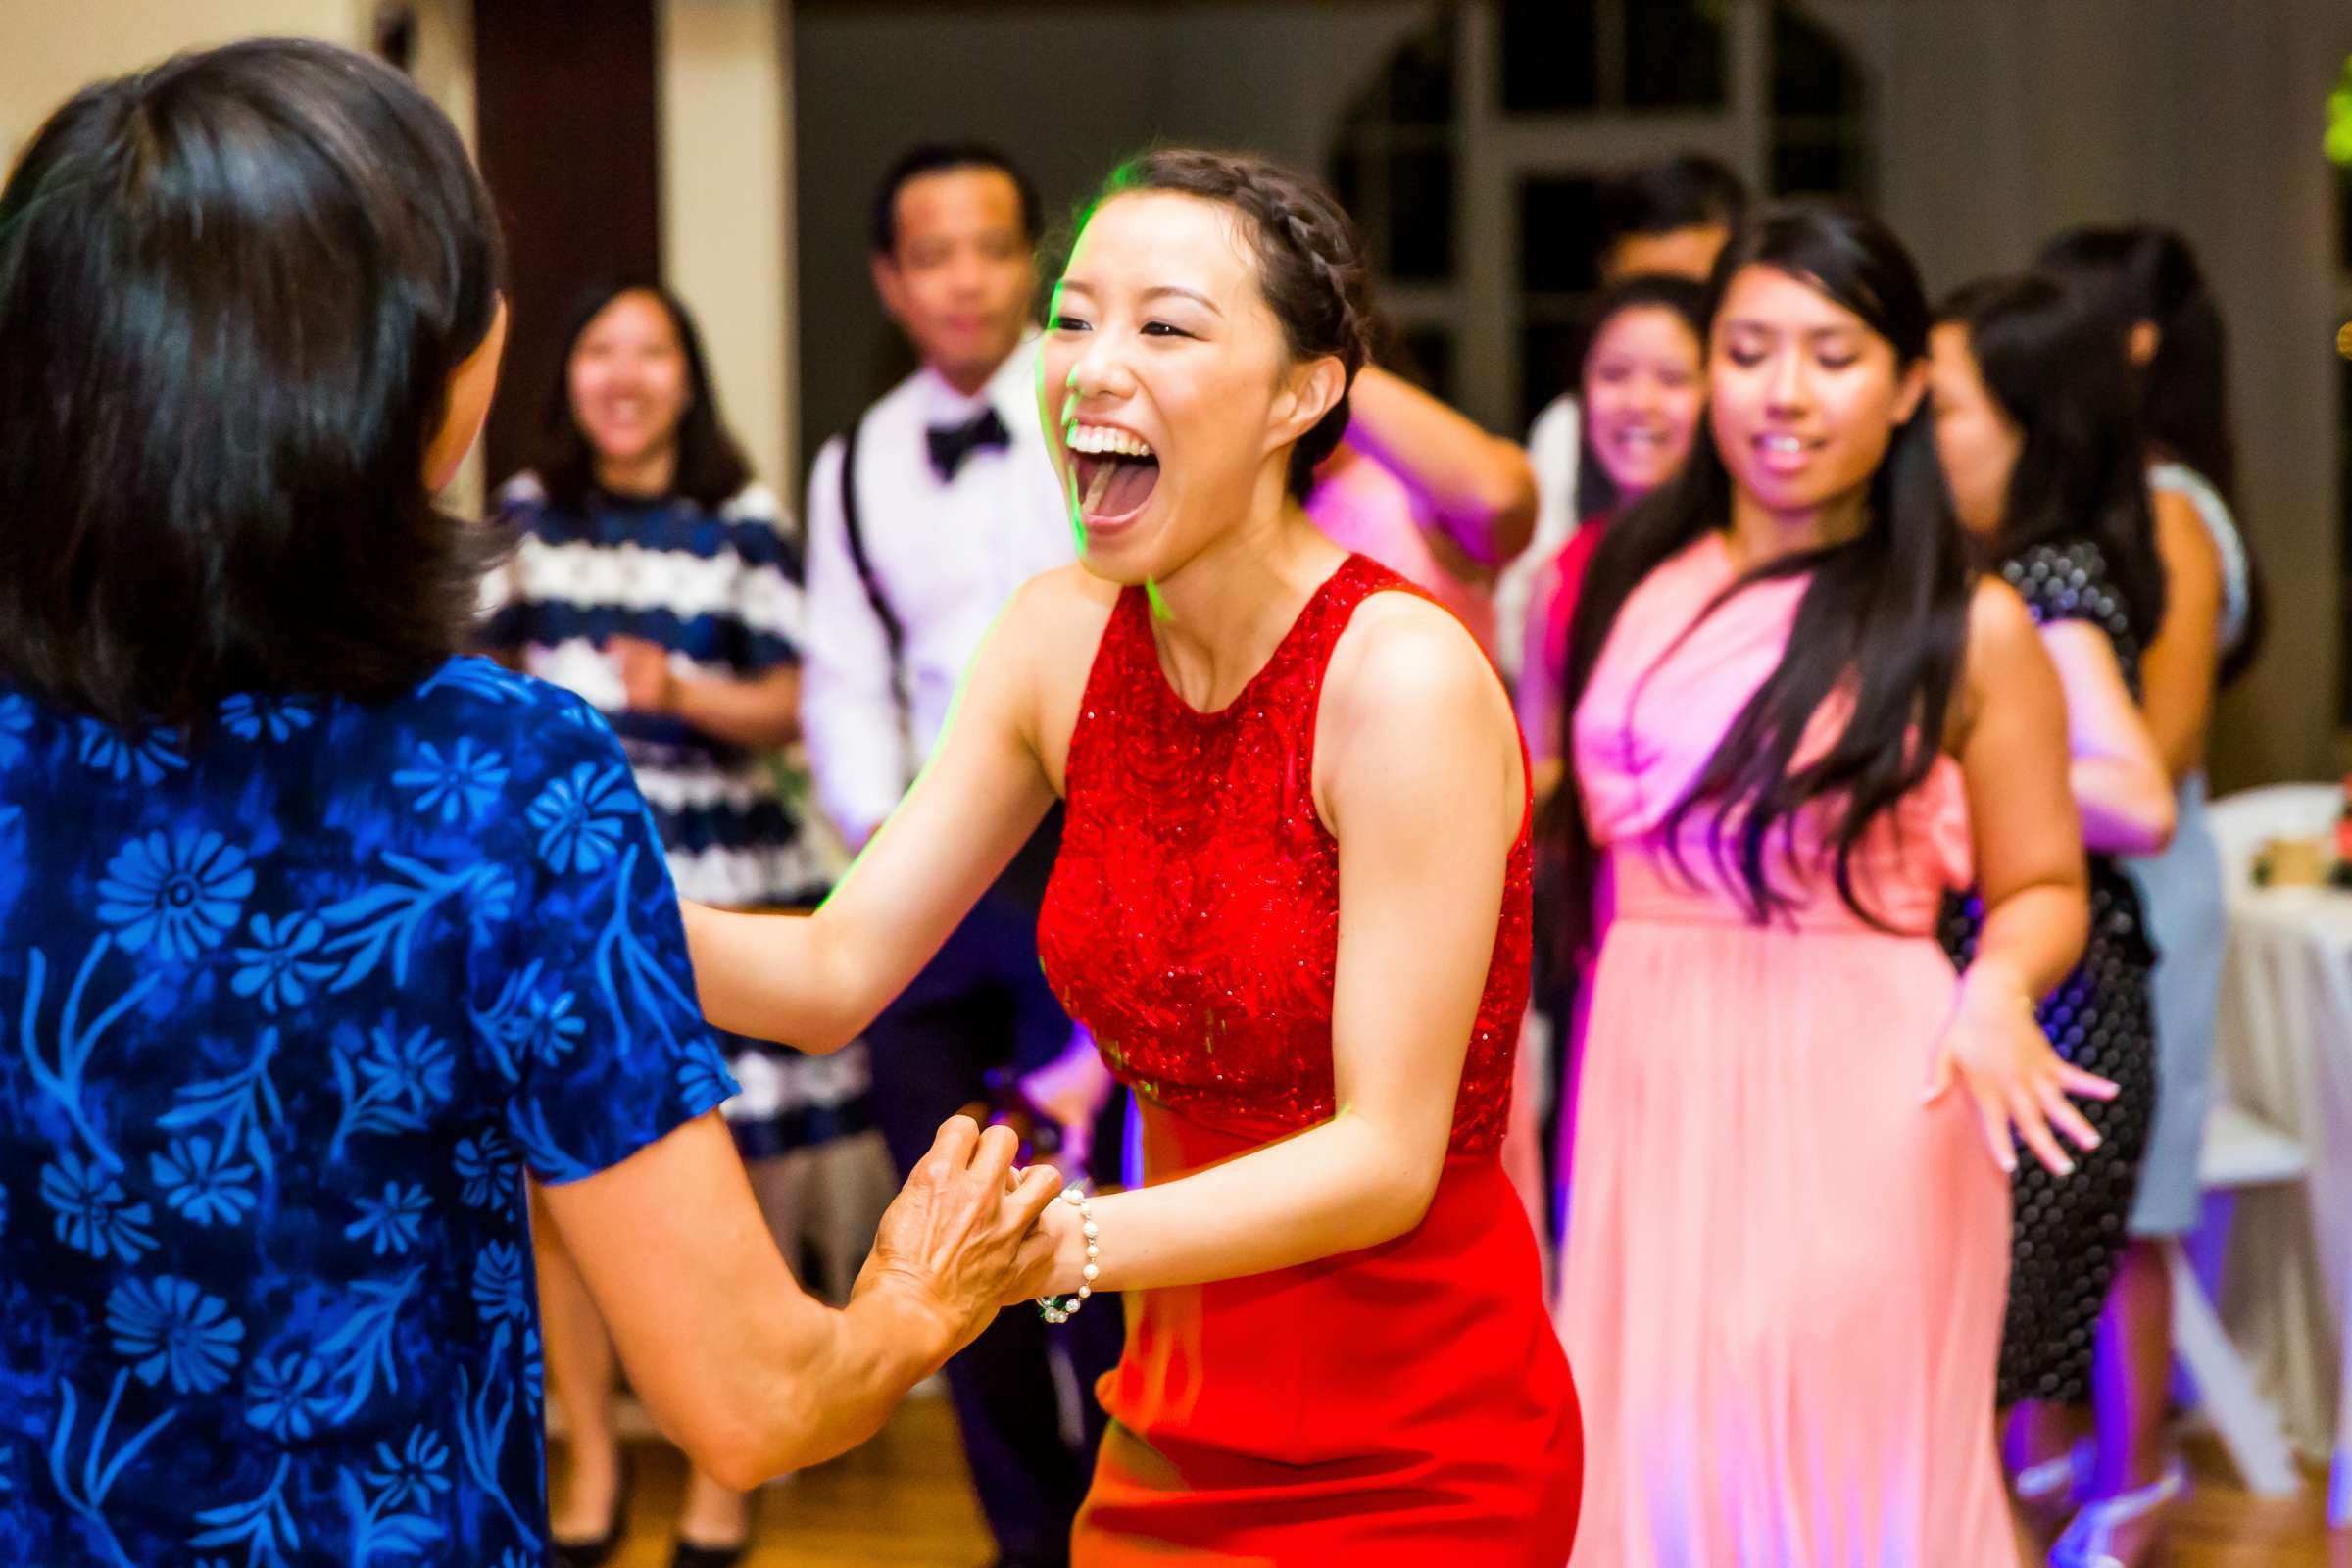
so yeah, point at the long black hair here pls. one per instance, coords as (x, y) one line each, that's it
(1884, 620)
(1595, 492)
(232, 290)
(2048, 357)
(2147, 272)
(711, 467)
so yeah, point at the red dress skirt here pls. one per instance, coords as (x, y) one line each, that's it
(1407, 1403)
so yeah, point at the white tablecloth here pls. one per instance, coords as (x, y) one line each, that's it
(2284, 1052)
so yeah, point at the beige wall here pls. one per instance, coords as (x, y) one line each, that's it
(725, 89)
(49, 48)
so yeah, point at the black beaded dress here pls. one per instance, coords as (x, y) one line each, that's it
(2070, 1230)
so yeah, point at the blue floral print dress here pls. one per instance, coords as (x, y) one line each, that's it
(285, 1012)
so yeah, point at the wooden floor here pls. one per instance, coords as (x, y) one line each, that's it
(905, 1500)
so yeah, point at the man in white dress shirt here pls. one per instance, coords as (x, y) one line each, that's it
(951, 503)
(1672, 217)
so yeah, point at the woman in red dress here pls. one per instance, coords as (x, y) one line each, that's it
(1292, 905)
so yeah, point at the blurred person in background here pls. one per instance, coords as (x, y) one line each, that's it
(2034, 426)
(656, 578)
(2156, 301)
(1670, 218)
(1643, 391)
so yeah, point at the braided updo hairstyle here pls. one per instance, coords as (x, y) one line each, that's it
(1310, 264)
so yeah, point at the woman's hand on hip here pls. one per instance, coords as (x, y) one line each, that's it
(1994, 1049)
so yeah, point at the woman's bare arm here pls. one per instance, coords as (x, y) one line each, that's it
(815, 981)
(744, 1370)
(2177, 672)
(2119, 779)
(1480, 488)
(2030, 873)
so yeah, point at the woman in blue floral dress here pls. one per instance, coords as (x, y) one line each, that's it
(314, 938)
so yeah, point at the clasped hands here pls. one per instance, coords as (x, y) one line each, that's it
(971, 1232)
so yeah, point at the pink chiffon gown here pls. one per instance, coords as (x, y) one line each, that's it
(1784, 1280)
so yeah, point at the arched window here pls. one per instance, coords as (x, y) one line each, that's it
(1470, 161)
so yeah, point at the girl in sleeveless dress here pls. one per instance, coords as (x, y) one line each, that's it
(2160, 307)
(1643, 391)
(1797, 720)
(2034, 424)
(2148, 281)
(1291, 905)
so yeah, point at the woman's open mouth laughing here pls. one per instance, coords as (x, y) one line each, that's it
(1114, 472)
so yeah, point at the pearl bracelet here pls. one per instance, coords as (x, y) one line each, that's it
(1062, 1308)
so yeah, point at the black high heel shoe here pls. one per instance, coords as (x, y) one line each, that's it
(595, 1551)
(688, 1555)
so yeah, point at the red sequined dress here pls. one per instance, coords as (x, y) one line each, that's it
(1373, 1407)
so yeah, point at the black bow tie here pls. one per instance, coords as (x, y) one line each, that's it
(950, 444)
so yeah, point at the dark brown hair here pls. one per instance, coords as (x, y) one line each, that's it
(2048, 355)
(2147, 272)
(943, 158)
(1689, 190)
(711, 467)
(1310, 264)
(232, 289)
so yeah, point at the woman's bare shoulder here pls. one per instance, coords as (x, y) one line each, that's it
(1055, 611)
(1408, 678)
(1402, 646)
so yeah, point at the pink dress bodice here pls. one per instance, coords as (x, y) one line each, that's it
(1669, 684)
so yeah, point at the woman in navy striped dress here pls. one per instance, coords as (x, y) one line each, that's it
(658, 581)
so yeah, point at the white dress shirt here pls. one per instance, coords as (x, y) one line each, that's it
(1553, 445)
(946, 557)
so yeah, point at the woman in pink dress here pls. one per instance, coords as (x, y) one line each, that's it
(1785, 1265)
(1643, 384)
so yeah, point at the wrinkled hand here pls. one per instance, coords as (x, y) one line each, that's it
(1072, 1089)
(644, 679)
(963, 1230)
(1995, 1050)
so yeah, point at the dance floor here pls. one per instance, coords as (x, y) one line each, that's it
(905, 1499)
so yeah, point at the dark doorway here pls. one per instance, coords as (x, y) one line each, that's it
(565, 105)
